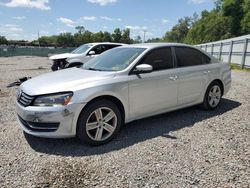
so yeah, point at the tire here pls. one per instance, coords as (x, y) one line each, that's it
(99, 122)
(54, 67)
(213, 96)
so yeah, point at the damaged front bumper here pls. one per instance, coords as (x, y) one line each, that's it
(49, 122)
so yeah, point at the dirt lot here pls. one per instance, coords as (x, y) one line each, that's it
(186, 148)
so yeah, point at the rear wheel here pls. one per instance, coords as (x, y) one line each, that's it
(213, 96)
(99, 122)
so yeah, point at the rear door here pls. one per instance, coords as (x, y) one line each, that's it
(193, 74)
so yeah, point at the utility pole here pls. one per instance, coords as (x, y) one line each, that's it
(144, 35)
(38, 35)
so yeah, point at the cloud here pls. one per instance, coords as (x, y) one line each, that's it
(140, 31)
(11, 31)
(136, 27)
(12, 28)
(102, 2)
(164, 21)
(9, 25)
(197, 1)
(68, 22)
(19, 17)
(104, 27)
(62, 31)
(16, 29)
(38, 4)
(88, 18)
(106, 18)
(43, 32)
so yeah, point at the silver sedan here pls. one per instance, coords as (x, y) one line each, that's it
(119, 86)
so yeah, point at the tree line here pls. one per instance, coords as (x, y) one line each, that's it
(82, 36)
(228, 18)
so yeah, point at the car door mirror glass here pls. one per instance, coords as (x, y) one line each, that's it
(92, 52)
(143, 68)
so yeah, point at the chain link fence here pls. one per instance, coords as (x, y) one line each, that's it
(8, 51)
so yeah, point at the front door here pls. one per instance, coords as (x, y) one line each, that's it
(154, 92)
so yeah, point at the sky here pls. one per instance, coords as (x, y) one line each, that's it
(22, 19)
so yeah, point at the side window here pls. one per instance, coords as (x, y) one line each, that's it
(113, 46)
(205, 59)
(99, 49)
(159, 59)
(189, 57)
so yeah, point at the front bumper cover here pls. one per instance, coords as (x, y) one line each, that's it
(38, 121)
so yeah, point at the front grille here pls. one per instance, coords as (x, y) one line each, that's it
(24, 99)
(39, 126)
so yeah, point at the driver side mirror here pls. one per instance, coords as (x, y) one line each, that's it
(143, 68)
(92, 53)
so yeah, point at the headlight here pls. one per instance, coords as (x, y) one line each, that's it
(59, 99)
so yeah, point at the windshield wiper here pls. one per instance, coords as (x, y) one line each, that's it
(94, 69)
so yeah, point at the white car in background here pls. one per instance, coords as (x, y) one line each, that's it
(80, 55)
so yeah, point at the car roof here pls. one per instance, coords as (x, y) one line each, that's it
(150, 46)
(159, 44)
(111, 43)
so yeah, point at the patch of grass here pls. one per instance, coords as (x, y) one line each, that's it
(237, 67)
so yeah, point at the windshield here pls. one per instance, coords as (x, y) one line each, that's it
(81, 49)
(115, 59)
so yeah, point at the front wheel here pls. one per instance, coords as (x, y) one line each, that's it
(99, 122)
(213, 96)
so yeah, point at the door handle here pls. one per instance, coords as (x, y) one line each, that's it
(173, 78)
(206, 72)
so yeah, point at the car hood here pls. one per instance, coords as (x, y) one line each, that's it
(64, 80)
(64, 56)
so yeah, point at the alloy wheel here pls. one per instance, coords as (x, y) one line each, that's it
(214, 96)
(101, 124)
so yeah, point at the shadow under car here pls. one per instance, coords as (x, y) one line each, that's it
(132, 133)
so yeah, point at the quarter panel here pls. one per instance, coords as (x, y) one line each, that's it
(225, 76)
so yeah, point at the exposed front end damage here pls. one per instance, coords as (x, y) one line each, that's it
(50, 122)
(59, 64)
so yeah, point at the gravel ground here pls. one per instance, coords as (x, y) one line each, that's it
(186, 148)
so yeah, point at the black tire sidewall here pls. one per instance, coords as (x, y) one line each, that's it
(81, 123)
